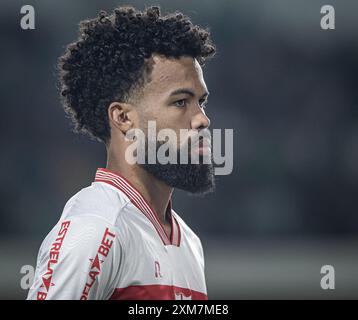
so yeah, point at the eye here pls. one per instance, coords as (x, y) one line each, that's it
(203, 103)
(180, 103)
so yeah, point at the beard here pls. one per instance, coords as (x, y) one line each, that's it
(194, 178)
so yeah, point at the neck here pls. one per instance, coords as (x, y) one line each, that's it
(154, 191)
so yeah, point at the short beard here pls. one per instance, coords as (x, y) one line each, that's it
(194, 178)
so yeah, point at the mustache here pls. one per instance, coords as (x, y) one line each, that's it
(202, 136)
(204, 133)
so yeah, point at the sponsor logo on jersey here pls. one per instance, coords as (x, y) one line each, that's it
(157, 273)
(102, 253)
(182, 296)
(52, 262)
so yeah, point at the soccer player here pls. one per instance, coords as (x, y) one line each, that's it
(119, 238)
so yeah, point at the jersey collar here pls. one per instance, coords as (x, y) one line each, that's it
(119, 182)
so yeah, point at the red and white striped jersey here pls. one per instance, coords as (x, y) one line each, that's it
(110, 244)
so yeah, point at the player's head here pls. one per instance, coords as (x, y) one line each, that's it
(134, 66)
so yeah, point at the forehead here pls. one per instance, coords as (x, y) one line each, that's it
(170, 74)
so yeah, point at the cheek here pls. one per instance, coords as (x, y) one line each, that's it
(175, 136)
(165, 117)
(178, 121)
(172, 118)
(177, 118)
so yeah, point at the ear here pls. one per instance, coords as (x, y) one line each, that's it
(121, 116)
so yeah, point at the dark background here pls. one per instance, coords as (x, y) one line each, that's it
(286, 87)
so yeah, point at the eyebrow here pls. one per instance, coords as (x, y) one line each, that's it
(188, 92)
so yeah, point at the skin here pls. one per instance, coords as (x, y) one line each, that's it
(174, 97)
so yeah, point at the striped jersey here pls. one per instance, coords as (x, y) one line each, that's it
(110, 244)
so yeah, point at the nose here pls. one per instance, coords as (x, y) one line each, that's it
(200, 120)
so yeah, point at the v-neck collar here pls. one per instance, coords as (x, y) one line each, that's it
(122, 184)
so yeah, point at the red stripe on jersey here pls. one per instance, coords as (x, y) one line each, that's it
(178, 232)
(121, 183)
(136, 201)
(157, 292)
(135, 197)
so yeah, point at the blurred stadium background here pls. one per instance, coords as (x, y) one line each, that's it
(289, 90)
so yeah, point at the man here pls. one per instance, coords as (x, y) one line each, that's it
(119, 238)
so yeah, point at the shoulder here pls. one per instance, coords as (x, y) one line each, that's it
(97, 200)
(77, 250)
(80, 234)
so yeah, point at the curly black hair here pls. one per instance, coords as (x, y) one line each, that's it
(110, 58)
